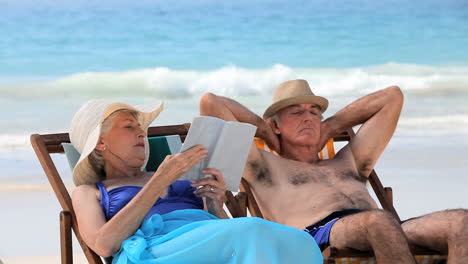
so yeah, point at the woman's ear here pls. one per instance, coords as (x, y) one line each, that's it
(273, 125)
(100, 145)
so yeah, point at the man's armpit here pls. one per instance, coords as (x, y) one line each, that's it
(346, 157)
(257, 169)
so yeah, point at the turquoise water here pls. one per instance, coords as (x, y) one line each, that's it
(50, 38)
(174, 49)
(56, 55)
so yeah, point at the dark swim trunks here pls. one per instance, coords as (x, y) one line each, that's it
(320, 231)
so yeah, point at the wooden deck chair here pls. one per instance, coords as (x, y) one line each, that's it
(47, 144)
(245, 199)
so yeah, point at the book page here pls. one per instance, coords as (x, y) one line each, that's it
(231, 152)
(204, 130)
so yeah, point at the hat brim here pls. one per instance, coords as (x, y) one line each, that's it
(304, 99)
(83, 173)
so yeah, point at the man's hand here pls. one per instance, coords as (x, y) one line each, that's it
(230, 110)
(266, 133)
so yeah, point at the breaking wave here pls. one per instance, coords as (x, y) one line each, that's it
(236, 81)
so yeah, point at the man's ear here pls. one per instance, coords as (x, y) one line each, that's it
(273, 125)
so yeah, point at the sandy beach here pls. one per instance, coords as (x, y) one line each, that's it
(30, 228)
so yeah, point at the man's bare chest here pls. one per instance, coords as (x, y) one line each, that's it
(282, 171)
(307, 191)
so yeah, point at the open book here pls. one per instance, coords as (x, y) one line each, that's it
(228, 144)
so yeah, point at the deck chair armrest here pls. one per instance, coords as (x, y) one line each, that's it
(241, 197)
(236, 204)
(254, 209)
(418, 250)
(389, 193)
(332, 252)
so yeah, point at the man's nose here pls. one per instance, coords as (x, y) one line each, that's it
(309, 116)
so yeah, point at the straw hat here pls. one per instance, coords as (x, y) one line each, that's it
(291, 93)
(86, 128)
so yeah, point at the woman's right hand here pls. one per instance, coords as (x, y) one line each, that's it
(174, 166)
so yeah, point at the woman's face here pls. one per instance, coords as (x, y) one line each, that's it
(124, 141)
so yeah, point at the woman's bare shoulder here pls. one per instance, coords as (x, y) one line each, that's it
(85, 190)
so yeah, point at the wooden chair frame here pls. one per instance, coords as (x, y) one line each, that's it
(246, 200)
(47, 144)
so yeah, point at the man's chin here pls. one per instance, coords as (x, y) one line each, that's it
(307, 139)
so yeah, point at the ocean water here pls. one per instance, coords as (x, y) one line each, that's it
(55, 55)
(46, 38)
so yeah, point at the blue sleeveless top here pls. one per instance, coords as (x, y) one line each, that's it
(179, 196)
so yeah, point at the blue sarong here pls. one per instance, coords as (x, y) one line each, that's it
(195, 236)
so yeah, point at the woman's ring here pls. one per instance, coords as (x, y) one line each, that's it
(212, 189)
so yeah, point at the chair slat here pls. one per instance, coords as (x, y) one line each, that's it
(52, 174)
(55, 139)
(251, 202)
(343, 136)
(66, 237)
(168, 130)
(233, 206)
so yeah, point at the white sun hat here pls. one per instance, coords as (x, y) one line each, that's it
(86, 128)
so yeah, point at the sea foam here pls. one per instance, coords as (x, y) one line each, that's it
(237, 81)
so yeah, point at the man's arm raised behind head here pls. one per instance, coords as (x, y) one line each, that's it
(230, 110)
(378, 113)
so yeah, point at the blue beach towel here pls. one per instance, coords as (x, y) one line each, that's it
(195, 236)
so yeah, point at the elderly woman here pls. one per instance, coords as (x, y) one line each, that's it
(152, 217)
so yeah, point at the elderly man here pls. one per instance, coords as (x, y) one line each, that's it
(329, 198)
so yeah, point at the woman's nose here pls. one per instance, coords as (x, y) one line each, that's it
(141, 133)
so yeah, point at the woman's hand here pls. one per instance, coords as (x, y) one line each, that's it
(214, 190)
(176, 165)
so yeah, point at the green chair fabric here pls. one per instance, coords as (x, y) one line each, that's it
(160, 147)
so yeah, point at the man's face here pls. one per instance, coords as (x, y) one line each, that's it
(299, 124)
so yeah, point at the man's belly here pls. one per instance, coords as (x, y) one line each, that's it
(300, 211)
